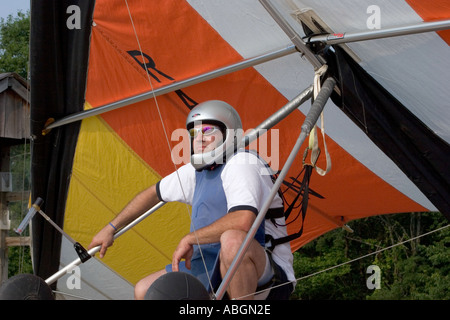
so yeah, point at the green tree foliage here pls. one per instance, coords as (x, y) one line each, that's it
(14, 56)
(19, 261)
(14, 43)
(416, 269)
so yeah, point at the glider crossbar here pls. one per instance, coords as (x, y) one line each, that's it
(292, 34)
(279, 115)
(336, 38)
(177, 85)
(94, 250)
(308, 124)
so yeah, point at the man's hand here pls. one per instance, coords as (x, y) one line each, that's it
(104, 238)
(185, 251)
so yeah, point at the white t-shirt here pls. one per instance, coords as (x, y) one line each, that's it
(246, 182)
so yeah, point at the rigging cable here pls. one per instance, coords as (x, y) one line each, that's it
(356, 259)
(24, 161)
(168, 142)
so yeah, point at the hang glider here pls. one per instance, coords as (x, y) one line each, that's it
(111, 80)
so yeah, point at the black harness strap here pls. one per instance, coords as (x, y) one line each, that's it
(304, 191)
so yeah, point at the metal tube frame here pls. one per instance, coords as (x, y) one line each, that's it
(292, 34)
(310, 120)
(337, 38)
(177, 85)
(279, 115)
(94, 250)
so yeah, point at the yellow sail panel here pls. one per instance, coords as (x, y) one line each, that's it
(106, 175)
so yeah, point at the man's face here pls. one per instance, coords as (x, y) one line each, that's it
(206, 137)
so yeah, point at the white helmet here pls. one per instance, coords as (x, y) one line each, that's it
(226, 117)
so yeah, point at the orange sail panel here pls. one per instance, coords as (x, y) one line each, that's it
(439, 9)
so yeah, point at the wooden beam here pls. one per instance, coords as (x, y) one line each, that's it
(17, 196)
(18, 241)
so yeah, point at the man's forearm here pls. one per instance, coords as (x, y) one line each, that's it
(237, 220)
(141, 203)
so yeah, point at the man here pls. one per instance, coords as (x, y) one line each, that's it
(226, 188)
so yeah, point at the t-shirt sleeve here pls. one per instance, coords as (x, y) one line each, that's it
(178, 186)
(243, 183)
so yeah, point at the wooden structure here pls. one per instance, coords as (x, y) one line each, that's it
(14, 130)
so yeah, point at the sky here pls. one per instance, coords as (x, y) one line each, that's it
(8, 7)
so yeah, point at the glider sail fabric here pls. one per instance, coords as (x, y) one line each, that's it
(58, 70)
(420, 153)
(87, 55)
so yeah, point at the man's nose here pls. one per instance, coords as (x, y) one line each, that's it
(199, 136)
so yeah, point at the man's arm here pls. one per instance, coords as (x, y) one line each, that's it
(142, 202)
(237, 220)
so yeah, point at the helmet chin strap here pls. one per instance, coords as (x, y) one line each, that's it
(213, 161)
(208, 159)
